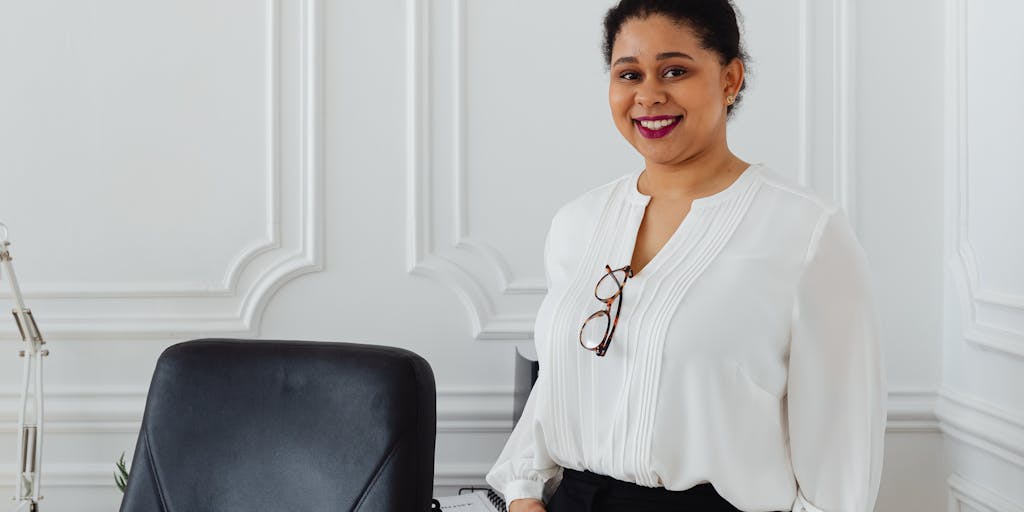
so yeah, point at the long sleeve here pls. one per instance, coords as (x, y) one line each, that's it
(836, 396)
(525, 469)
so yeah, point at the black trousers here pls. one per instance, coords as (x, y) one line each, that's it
(590, 492)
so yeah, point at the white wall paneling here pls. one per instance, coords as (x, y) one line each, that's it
(90, 425)
(119, 410)
(476, 410)
(992, 318)
(912, 411)
(983, 426)
(477, 272)
(843, 22)
(109, 413)
(73, 478)
(168, 171)
(195, 267)
(980, 408)
(967, 496)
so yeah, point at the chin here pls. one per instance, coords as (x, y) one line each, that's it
(661, 161)
(662, 156)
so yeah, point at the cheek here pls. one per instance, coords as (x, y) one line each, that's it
(620, 105)
(619, 101)
(705, 99)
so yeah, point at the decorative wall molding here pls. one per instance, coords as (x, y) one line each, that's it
(292, 246)
(967, 496)
(844, 121)
(983, 426)
(229, 285)
(115, 410)
(804, 84)
(461, 474)
(476, 410)
(974, 300)
(101, 475)
(424, 257)
(118, 410)
(828, 73)
(477, 272)
(418, 233)
(912, 411)
(109, 410)
(64, 475)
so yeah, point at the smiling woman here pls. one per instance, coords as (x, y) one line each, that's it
(669, 95)
(745, 371)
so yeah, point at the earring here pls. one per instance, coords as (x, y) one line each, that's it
(731, 99)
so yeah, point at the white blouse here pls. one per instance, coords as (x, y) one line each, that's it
(746, 354)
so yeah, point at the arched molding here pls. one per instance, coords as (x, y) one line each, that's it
(292, 240)
(978, 305)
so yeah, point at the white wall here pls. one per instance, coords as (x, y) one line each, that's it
(981, 402)
(899, 120)
(384, 172)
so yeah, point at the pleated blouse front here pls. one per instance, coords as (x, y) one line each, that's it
(746, 354)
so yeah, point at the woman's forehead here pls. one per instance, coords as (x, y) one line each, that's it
(655, 35)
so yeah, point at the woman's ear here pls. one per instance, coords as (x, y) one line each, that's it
(733, 75)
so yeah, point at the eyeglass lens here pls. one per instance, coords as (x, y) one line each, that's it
(595, 330)
(610, 284)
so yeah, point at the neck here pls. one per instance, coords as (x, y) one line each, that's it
(703, 174)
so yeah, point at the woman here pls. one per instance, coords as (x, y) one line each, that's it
(728, 357)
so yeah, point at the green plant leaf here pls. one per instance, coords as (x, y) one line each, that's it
(121, 476)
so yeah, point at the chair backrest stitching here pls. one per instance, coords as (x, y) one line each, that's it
(153, 473)
(376, 474)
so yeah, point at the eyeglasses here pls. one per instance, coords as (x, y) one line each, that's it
(597, 330)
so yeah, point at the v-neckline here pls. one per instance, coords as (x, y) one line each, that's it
(664, 246)
(696, 205)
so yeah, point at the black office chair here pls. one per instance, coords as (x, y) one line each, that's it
(248, 426)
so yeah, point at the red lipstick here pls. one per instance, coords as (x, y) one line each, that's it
(657, 133)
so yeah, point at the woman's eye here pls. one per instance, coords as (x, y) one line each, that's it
(629, 75)
(675, 73)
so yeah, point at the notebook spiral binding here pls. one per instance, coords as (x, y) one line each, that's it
(494, 497)
(496, 501)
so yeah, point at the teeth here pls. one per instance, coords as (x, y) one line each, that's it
(657, 125)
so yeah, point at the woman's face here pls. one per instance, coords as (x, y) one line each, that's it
(667, 94)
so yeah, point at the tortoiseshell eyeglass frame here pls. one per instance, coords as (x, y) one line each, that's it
(609, 330)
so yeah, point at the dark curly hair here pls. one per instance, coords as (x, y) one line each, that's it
(713, 21)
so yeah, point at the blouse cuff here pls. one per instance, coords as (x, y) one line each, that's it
(521, 489)
(802, 505)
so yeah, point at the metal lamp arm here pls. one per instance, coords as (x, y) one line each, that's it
(30, 428)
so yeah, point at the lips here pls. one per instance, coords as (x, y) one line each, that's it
(656, 127)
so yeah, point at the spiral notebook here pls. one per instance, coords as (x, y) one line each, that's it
(477, 501)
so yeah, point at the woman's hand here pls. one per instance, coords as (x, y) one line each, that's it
(526, 505)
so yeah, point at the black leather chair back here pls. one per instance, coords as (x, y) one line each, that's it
(248, 426)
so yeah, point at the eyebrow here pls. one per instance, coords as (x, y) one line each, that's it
(660, 56)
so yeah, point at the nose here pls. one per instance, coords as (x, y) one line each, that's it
(650, 93)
